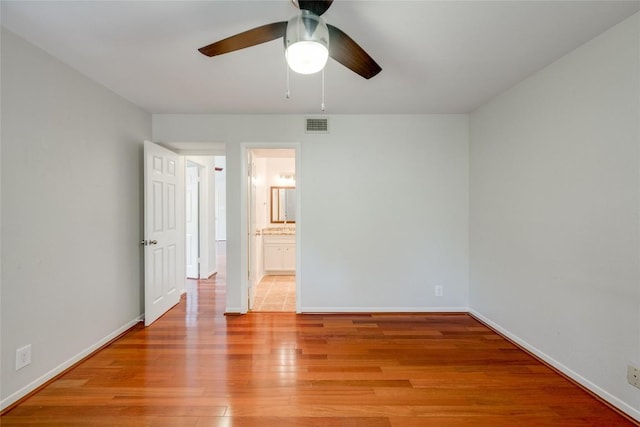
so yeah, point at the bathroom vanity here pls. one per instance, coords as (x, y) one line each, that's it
(279, 239)
(279, 251)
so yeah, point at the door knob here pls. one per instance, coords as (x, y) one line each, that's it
(153, 242)
(148, 242)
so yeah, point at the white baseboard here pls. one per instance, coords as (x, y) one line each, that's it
(24, 391)
(603, 394)
(384, 309)
(338, 310)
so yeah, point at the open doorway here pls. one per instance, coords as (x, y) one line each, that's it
(208, 159)
(202, 215)
(205, 230)
(271, 221)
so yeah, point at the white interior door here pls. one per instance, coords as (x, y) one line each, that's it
(252, 229)
(192, 221)
(161, 237)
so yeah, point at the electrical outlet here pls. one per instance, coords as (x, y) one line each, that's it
(438, 291)
(23, 356)
(633, 376)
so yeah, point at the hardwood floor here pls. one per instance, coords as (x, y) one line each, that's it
(197, 367)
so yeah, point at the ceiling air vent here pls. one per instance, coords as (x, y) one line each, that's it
(317, 125)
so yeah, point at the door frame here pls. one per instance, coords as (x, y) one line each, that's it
(252, 250)
(244, 231)
(199, 229)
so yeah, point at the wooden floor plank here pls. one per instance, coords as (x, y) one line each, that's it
(196, 367)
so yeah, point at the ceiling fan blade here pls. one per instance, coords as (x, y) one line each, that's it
(343, 49)
(316, 7)
(248, 38)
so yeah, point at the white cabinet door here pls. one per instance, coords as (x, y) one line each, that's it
(289, 257)
(279, 255)
(272, 257)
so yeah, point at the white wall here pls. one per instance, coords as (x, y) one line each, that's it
(71, 214)
(384, 206)
(554, 226)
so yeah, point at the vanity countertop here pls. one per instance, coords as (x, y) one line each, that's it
(279, 231)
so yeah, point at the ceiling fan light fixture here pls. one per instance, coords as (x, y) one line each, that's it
(307, 57)
(306, 43)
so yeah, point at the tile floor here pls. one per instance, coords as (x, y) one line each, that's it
(276, 293)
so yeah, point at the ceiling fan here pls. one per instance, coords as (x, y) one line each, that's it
(308, 41)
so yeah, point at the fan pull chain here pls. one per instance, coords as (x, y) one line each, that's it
(322, 106)
(287, 94)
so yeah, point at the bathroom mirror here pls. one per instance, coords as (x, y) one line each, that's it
(283, 205)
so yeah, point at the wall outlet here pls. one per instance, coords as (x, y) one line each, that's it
(633, 376)
(438, 291)
(23, 356)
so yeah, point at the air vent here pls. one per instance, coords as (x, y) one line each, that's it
(317, 125)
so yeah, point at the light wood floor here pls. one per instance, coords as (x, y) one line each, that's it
(197, 367)
(276, 293)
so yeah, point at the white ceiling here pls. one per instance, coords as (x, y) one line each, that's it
(436, 56)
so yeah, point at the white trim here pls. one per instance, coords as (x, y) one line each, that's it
(622, 406)
(233, 310)
(299, 227)
(197, 148)
(425, 310)
(24, 391)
